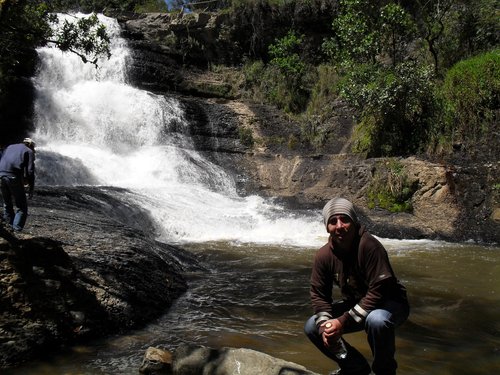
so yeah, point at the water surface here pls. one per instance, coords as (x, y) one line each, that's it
(257, 297)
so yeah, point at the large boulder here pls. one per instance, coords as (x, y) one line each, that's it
(85, 266)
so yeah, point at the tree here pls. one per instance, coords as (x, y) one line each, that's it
(432, 24)
(471, 27)
(85, 37)
(285, 55)
(397, 30)
(355, 32)
(286, 60)
(24, 26)
(366, 32)
(471, 93)
(396, 107)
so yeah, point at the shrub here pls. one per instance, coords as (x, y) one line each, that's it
(324, 91)
(471, 98)
(396, 107)
(285, 55)
(288, 91)
(391, 188)
(246, 137)
(146, 6)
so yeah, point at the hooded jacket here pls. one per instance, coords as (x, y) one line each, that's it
(363, 274)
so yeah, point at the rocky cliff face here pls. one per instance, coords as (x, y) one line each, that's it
(452, 201)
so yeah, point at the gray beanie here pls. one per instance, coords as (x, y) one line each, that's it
(338, 206)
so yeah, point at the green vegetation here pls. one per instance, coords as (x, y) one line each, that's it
(246, 137)
(285, 56)
(420, 75)
(150, 6)
(396, 105)
(138, 6)
(24, 26)
(288, 92)
(471, 94)
(391, 187)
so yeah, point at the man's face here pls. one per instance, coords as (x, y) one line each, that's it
(342, 230)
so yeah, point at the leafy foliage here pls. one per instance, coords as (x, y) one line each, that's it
(397, 107)
(355, 33)
(288, 91)
(285, 55)
(151, 6)
(27, 24)
(388, 59)
(471, 94)
(85, 37)
(397, 31)
(23, 26)
(138, 6)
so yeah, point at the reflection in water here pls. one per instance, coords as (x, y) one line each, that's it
(257, 297)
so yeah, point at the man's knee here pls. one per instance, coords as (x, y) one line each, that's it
(310, 326)
(378, 320)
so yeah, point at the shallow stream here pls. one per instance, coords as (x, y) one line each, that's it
(257, 297)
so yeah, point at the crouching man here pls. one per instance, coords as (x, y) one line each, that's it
(373, 299)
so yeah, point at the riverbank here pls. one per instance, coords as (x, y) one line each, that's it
(453, 200)
(86, 266)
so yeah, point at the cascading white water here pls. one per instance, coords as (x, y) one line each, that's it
(94, 129)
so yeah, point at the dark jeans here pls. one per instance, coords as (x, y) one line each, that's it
(13, 189)
(379, 326)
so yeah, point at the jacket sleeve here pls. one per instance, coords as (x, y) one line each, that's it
(321, 288)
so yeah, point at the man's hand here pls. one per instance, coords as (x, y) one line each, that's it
(330, 331)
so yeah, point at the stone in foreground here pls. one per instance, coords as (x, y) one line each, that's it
(197, 360)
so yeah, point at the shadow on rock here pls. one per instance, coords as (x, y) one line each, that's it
(42, 304)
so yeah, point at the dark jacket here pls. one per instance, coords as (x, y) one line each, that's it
(18, 160)
(364, 275)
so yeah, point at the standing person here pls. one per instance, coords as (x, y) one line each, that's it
(372, 297)
(17, 167)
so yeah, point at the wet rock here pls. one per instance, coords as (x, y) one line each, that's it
(451, 202)
(87, 265)
(195, 360)
(156, 362)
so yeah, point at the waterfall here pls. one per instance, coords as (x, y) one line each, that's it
(92, 128)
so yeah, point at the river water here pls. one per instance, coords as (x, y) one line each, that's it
(256, 296)
(254, 291)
